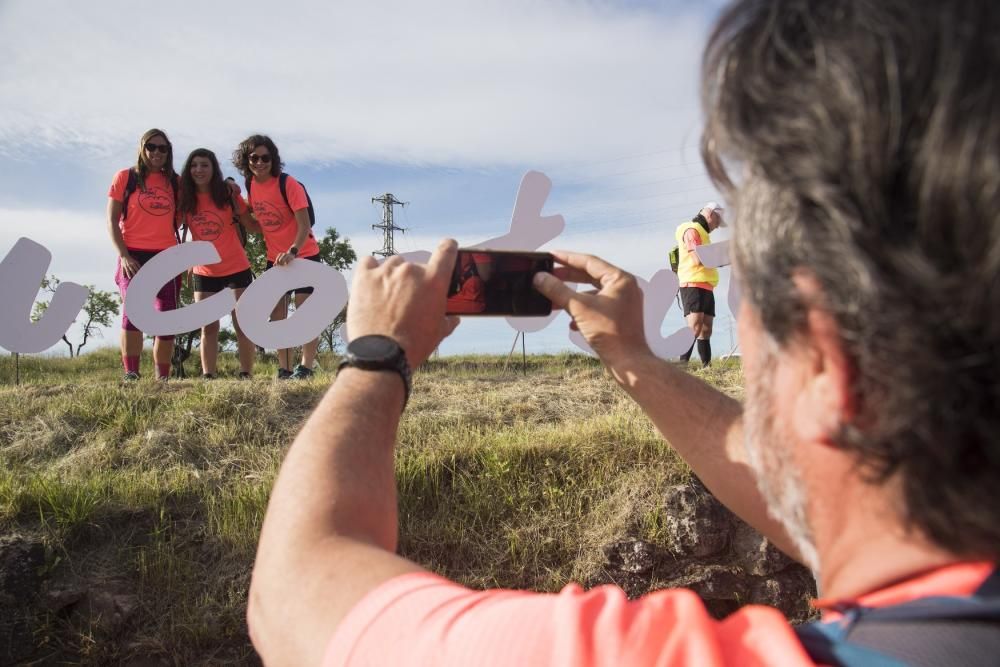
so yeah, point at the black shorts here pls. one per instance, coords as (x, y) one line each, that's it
(698, 300)
(298, 290)
(239, 280)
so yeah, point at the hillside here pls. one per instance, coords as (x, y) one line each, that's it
(130, 513)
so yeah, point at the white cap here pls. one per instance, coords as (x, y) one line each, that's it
(714, 207)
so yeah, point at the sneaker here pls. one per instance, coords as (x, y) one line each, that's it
(284, 374)
(301, 373)
(131, 376)
(207, 376)
(244, 375)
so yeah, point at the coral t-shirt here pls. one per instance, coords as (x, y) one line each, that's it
(215, 224)
(276, 219)
(422, 619)
(149, 220)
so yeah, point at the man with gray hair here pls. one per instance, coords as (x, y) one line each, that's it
(866, 134)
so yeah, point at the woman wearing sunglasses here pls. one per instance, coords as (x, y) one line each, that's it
(283, 219)
(141, 207)
(211, 211)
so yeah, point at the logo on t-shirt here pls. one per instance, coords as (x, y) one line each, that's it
(156, 201)
(267, 215)
(207, 225)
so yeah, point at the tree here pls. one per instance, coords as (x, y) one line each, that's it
(98, 311)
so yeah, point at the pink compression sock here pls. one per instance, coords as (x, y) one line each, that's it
(131, 364)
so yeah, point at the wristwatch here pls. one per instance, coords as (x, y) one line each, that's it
(293, 251)
(378, 353)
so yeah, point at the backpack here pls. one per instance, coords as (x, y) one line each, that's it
(942, 630)
(133, 182)
(282, 179)
(675, 258)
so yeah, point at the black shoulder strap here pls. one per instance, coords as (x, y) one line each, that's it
(282, 180)
(130, 185)
(924, 632)
(247, 181)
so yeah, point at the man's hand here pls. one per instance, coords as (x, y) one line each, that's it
(404, 301)
(609, 317)
(283, 258)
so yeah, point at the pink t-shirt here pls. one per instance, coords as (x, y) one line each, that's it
(276, 219)
(215, 224)
(149, 223)
(423, 619)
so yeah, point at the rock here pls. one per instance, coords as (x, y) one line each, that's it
(21, 561)
(789, 590)
(754, 553)
(630, 556)
(58, 600)
(716, 582)
(105, 611)
(697, 524)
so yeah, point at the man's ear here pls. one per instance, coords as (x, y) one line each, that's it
(825, 400)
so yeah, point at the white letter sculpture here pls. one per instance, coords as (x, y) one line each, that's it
(21, 272)
(320, 309)
(159, 271)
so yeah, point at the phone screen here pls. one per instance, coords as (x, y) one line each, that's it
(498, 282)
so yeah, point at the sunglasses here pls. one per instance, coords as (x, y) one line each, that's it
(254, 158)
(163, 148)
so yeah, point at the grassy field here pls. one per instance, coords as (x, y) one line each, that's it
(157, 491)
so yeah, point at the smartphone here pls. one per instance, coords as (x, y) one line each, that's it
(498, 282)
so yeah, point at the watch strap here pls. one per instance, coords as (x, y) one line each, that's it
(398, 364)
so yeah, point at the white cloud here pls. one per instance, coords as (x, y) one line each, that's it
(446, 82)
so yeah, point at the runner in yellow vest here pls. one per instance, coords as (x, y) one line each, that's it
(697, 280)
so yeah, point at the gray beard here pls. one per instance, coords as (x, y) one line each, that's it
(770, 458)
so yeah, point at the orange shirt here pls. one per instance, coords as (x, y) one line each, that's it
(276, 219)
(149, 223)
(215, 224)
(423, 619)
(471, 294)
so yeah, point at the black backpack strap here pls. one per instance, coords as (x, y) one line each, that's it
(924, 632)
(990, 587)
(282, 181)
(175, 185)
(130, 186)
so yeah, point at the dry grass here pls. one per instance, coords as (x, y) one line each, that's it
(506, 479)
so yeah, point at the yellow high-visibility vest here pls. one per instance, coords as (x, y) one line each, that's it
(688, 270)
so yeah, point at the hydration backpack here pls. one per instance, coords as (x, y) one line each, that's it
(675, 258)
(282, 179)
(942, 630)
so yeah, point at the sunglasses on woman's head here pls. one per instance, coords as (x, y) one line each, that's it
(254, 158)
(163, 148)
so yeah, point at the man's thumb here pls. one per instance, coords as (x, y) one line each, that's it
(556, 290)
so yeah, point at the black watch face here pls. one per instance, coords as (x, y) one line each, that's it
(375, 348)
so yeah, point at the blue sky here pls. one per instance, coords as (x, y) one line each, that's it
(444, 104)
